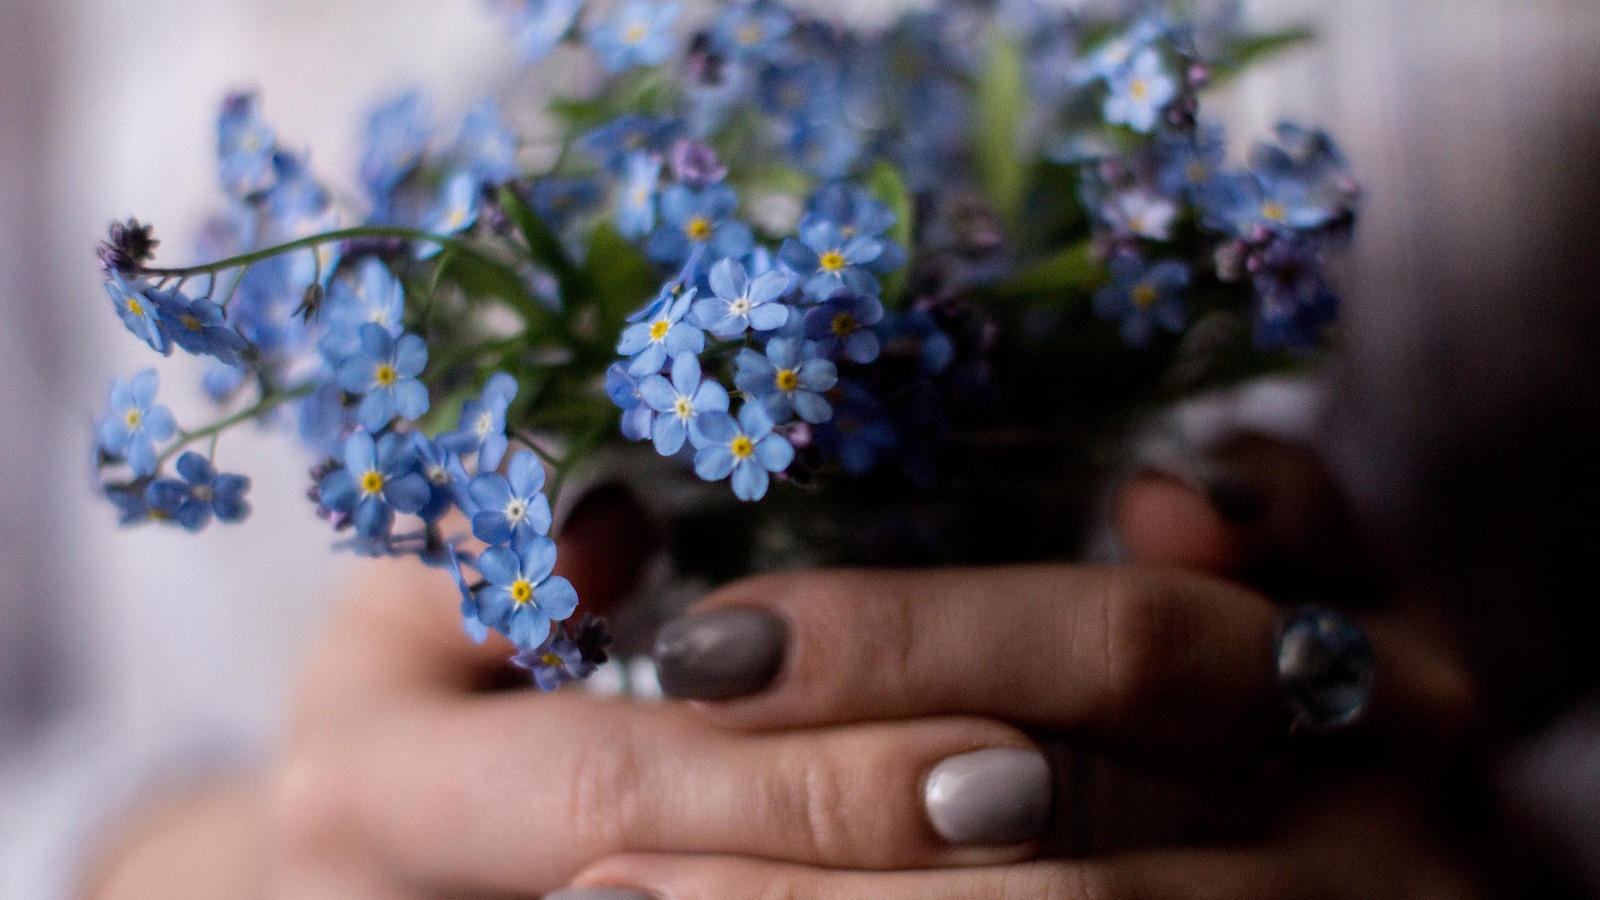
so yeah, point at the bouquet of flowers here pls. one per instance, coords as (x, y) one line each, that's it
(800, 258)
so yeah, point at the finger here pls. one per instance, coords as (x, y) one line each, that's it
(511, 791)
(1164, 521)
(1176, 667)
(1170, 875)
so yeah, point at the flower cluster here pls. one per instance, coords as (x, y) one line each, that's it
(784, 249)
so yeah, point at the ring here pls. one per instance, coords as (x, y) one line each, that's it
(1325, 668)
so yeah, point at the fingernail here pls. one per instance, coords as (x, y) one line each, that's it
(720, 655)
(1234, 497)
(598, 893)
(993, 797)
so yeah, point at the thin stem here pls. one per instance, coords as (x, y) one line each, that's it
(314, 240)
(234, 287)
(266, 404)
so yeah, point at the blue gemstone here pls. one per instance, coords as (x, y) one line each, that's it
(1325, 664)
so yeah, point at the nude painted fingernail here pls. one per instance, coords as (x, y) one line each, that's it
(720, 655)
(598, 893)
(993, 797)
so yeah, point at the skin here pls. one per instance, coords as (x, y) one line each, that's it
(406, 776)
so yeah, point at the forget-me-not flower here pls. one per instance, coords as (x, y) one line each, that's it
(637, 417)
(842, 327)
(681, 402)
(485, 147)
(244, 147)
(456, 211)
(384, 374)
(703, 218)
(135, 423)
(379, 478)
(741, 303)
(639, 33)
(613, 143)
(200, 494)
(511, 506)
(397, 135)
(446, 477)
(540, 25)
(138, 312)
(747, 449)
(1140, 92)
(828, 260)
(1142, 298)
(522, 597)
(636, 195)
(651, 342)
(483, 423)
(753, 29)
(559, 201)
(198, 326)
(556, 662)
(372, 296)
(788, 380)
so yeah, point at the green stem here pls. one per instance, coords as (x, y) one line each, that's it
(314, 240)
(266, 404)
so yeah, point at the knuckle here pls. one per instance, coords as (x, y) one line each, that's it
(1139, 619)
(832, 813)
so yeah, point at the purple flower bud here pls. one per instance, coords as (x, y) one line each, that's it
(696, 164)
(127, 248)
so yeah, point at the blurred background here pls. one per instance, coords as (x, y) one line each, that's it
(131, 656)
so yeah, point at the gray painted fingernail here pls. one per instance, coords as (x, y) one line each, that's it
(720, 655)
(993, 797)
(598, 893)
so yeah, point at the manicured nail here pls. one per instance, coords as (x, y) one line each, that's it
(1234, 497)
(598, 893)
(720, 655)
(993, 797)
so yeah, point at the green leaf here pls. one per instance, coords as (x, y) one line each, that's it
(542, 242)
(890, 189)
(1247, 51)
(1072, 274)
(480, 275)
(621, 277)
(1002, 100)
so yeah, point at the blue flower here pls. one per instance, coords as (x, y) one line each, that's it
(1141, 213)
(456, 211)
(1253, 205)
(202, 493)
(637, 34)
(485, 147)
(1116, 55)
(511, 506)
(650, 343)
(788, 380)
(826, 146)
(397, 135)
(138, 312)
(559, 201)
(198, 326)
(522, 597)
(542, 24)
(136, 424)
(636, 199)
(446, 477)
(753, 29)
(742, 304)
(379, 478)
(1140, 92)
(470, 623)
(614, 143)
(860, 433)
(703, 218)
(372, 296)
(623, 389)
(681, 402)
(1142, 298)
(483, 423)
(1295, 301)
(857, 214)
(747, 449)
(828, 260)
(842, 327)
(384, 374)
(244, 147)
(556, 662)
(1189, 161)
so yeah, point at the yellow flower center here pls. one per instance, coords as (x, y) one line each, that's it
(742, 447)
(1144, 295)
(844, 324)
(640, 196)
(659, 329)
(550, 659)
(521, 592)
(385, 375)
(635, 33)
(134, 306)
(683, 408)
(1273, 212)
(191, 323)
(698, 229)
(749, 34)
(788, 379)
(372, 482)
(133, 418)
(1139, 89)
(832, 261)
(1196, 172)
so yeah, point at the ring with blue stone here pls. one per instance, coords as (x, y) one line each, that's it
(1325, 667)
